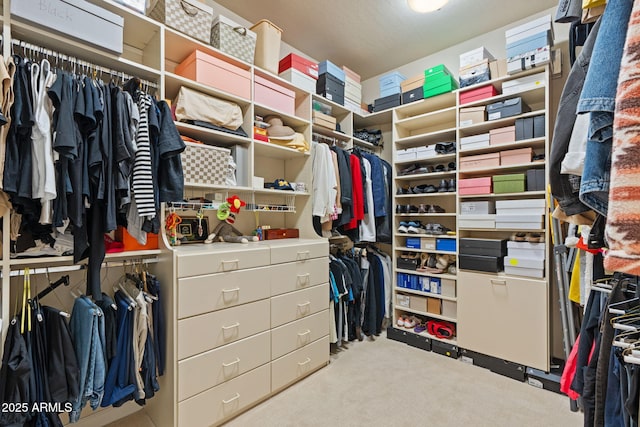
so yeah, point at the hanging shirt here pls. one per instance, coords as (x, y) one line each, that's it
(7, 71)
(357, 193)
(368, 224)
(142, 175)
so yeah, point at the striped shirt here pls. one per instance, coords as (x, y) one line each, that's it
(142, 172)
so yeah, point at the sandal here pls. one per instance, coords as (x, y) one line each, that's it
(421, 327)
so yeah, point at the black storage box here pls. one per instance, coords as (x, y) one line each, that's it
(535, 180)
(524, 128)
(548, 381)
(484, 247)
(538, 126)
(419, 341)
(397, 334)
(490, 264)
(446, 349)
(413, 95)
(494, 364)
(386, 102)
(407, 263)
(507, 108)
(331, 88)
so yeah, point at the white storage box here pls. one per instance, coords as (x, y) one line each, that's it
(521, 207)
(524, 222)
(403, 300)
(477, 221)
(188, 16)
(406, 154)
(426, 152)
(205, 164)
(448, 288)
(524, 266)
(299, 79)
(267, 45)
(449, 309)
(234, 39)
(483, 138)
(474, 56)
(482, 207)
(529, 29)
(528, 60)
(526, 250)
(352, 90)
(74, 18)
(523, 84)
(352, 105)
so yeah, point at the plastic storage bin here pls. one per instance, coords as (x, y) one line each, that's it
(267, 45)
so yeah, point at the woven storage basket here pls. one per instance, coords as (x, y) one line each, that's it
(205, 164)
(188, 16)
(233, 39)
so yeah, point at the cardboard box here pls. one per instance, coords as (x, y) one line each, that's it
(448, 288)
(507, 108)
(328, 67)
(353, 91)
(488, 247)
(413, 95)
(481, 161)
(520, 204)
(449, 309)
(274, 95)
(490, 264)
(428, 243)
(297, 62)
(527, 44)
(480, 207)
(474, 186)
(475, 141)
(211, 71)
(413, 242)
(524, 128)
(516, 157)
(474, 74)
(392, 79)
(445, 244)
(438, 85)
(299, 79)
(524, 267)
(523, 84)
(504, 135)
(511, 183)
(426, 151)
(412, 83)
(402, 300)
(387, 102)
(478, 94)
(435, 285)
(436, 71)
(323, 120)
(477, 221)
(434, 305)
(418, 303)
(472, 115)
(475, 56)
(350, 74)
(535, 180)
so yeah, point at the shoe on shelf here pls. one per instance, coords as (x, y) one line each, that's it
(423, 208)
(400, 321)
(535, 237)
(444, 186)
(408, 169)
(451, 166)
(416, 230)
(411, 209)
(519, 237)
(411, 322)
(439, 168)
(400, 209)
(439, 229)
(435, 209)
(403, 227)
(420, 327)
(422, 169)
(452, 185)
(428, 188)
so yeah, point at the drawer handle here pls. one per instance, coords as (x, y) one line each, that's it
(304, 254)
(231, 261)
(226, 365)
(235, 325)
(305, 362)
(499, 282)
(224, 291)
(307, 332)
(304, 304)
(236, 397)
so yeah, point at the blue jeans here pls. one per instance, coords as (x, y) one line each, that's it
(598, 98)
(87, 331)
(613, 412)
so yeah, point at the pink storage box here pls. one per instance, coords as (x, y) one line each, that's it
(478, 94)
(505, 135)
(475, 186)
(351, 74)
(274, 96)
(481, 161)
(516, 157)
(214, 72)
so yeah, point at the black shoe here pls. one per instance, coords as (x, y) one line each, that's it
(444, 187)
(411, 209)
(400, 209)
(451, 166)
(435, 209)
(452, 185)
(424, 208)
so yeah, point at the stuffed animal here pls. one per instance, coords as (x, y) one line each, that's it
(225, 231)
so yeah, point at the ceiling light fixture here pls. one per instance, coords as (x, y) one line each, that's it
(424, 6)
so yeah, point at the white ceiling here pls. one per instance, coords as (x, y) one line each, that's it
(373, 36)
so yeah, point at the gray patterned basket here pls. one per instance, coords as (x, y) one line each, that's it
(233, 39)
(205, 164)
(188, 16)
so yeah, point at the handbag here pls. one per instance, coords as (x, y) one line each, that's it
(194, 105)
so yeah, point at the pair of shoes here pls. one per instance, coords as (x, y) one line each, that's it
(435, 209)
(400, 209)
(403, 190)
(447, 186)
(436, 229)
(424, 188)
(441, 329)
(449, 168)
(420, 327)
(406, 321)
(527, 237)
(407, 226)
(445, 147)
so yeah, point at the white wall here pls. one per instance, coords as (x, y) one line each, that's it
(493, 41)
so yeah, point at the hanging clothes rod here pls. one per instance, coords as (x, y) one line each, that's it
(35, 49)
(76, 267)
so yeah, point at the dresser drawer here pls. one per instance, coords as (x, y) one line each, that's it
(287, 250)
(211, 330)
(504, 317)
(206, 370)
(225, 400)
(222, 257)
(293, 276)
(295, 335)
(296, 305)
(300, 363)
(202, 294)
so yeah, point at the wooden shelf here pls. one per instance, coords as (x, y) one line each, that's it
(287, 119)
(530, 97)
(440, 158)
(381, 118)
(497, 82)
(429, 138)
(331, 133)
(173, 82)
(428, 120)
(428, 214)
(366, 144)
(429, 251)
(429, 105)
(421, 273)
(506, 168)
(493, 124)
(51, 261)
(493, 230)
(274, 151)
(439, 236)
(211, 135)
(426, 294)
(410, 196)
(533, 143)
(504, 195)
(424, 313)
(425, 176)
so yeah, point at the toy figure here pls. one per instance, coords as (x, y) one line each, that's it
(225, 231)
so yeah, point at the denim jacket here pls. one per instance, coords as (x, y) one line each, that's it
(565, 187)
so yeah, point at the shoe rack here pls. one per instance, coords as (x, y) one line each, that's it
(425, 218)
